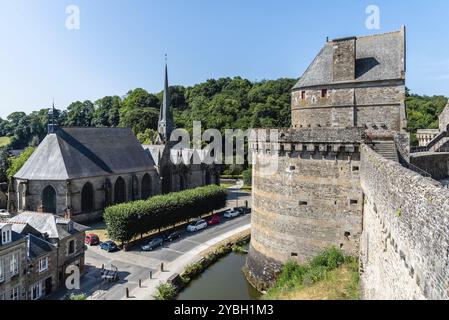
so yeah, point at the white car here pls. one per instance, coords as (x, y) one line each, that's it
(232, 213)
(197, 225)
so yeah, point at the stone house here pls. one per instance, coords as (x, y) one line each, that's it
(13, 264)
(42, 275)
(81, 171)
(64, 235)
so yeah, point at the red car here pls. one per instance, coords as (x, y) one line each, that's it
(214, 220)
(92, 239)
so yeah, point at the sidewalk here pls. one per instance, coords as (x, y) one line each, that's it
(177, 266)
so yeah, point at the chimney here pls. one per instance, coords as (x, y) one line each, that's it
(344, 56)
(68, 214)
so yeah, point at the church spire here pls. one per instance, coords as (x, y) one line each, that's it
(165, 126)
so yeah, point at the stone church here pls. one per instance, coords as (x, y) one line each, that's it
(81, 171)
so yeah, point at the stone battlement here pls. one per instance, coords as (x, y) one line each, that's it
(324, 141)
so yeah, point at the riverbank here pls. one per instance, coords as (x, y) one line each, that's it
(329, 276)
(173, 269)
(207, 259)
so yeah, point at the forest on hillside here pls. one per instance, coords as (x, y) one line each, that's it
(225, 103)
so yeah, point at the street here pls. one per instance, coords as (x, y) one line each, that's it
(135, 265)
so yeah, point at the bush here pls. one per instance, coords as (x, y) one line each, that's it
(165, 291)
(127, 220)
(77, 297)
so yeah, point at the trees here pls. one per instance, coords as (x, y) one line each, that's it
(80, 114)
(17, 163)
(423, 112)
(127, 220)
(107, 112)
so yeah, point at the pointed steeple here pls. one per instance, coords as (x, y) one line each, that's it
(166, 125)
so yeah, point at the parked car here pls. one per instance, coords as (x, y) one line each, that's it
(197, 225)
(173, 236)
(231, 213)
(92, 239)
(109, 246)
(153, 243)
(244, 210)
(214, 220)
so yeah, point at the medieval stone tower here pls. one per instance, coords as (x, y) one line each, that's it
(353, 92)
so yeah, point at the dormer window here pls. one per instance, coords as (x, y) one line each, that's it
(6, 235)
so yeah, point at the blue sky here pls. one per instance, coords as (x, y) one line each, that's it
(121, 44)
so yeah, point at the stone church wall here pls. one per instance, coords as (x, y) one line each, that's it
(405, 239)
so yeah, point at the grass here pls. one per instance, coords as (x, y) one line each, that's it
(328, 276)
(4, 141)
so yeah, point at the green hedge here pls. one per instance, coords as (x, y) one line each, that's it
(127, 220)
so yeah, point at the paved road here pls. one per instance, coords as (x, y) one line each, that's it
(135, 264)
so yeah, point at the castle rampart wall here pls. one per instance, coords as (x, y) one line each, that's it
(311, 198)
(434, 163)
(405, 240)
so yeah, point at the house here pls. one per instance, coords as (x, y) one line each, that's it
(47, 231)
(42, 273)
(13, 264)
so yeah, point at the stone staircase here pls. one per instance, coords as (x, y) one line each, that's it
(387, 149)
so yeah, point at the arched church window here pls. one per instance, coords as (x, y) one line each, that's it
(182, 182)
(166, 181)
(135, 188)
(107, 193)
(49, 199)
(208, 178)
(120, 191)
(87, 198)
(146, 186)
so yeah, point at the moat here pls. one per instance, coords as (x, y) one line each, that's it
(222, 281)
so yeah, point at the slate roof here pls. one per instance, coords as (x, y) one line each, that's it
(38, 247)
(55, 227)
(378, 57)
(86, 152)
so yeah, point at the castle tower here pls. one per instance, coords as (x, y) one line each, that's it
(166, 123)
(311, 198)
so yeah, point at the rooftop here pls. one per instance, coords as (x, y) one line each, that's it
(45, 223)
(378, 57)
(86, 152)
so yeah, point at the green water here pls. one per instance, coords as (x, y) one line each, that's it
(222, 281)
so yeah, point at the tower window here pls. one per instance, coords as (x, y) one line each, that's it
(352, 202)
(302, 203)
(303, 95)
(323, 93)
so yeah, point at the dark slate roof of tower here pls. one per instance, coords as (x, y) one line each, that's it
(73, 153)
(378, 57)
